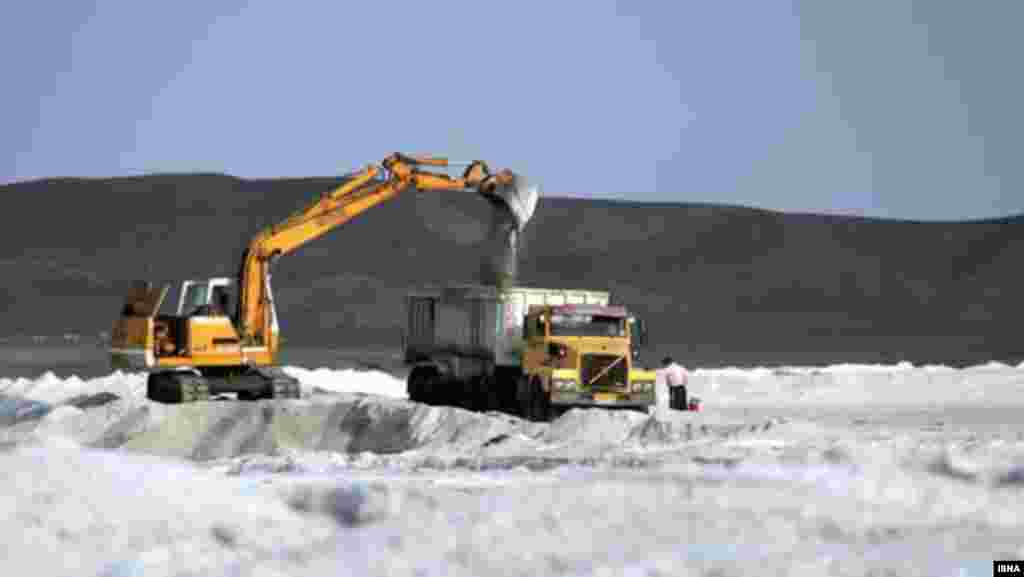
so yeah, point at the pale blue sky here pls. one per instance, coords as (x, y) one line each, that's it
(908, 109)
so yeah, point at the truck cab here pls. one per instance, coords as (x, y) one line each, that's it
(585, 355)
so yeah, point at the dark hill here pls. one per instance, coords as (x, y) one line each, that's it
(719, 284)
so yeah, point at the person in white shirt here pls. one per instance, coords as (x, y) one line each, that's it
(675, 378)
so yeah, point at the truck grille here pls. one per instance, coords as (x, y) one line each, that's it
(612, 379)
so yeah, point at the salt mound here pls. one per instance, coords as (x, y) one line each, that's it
(462, 430)
(60, 422)
(349, 381)
(989, 366)
(385, 426)
(344, 424)
(91, 401)
(593, 427)
(50, 388)
(109, 426)
(675, 427)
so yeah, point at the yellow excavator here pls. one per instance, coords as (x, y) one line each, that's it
(214, 345)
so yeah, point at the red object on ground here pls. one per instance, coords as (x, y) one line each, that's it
(694, 405)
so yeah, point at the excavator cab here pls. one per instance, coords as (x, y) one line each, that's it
(211, 297)
(207, 302)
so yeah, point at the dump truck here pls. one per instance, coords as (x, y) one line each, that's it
(224, 336)
(531, 352)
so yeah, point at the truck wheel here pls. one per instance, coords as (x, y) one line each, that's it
(157, 386)
(540, 405)
(420, 384)
(413, 385)
(490, 396)
(477, 398)
(474, 399)
(524, 397)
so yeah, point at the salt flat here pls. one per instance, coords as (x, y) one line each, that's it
(843, 470)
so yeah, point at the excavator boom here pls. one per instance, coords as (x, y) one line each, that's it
(362, 191)
(202, 351)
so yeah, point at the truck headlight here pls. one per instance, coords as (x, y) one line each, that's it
(564, 385)
(642, 386)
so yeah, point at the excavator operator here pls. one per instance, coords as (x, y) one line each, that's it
(220, 306)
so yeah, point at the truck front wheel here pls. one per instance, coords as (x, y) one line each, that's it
(536, 406)
(421, 385)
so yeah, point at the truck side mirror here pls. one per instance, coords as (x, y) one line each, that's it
(640, 338)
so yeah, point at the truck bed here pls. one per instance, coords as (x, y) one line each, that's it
(478, 321)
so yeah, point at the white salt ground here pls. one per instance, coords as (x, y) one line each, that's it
(836, 384)
(842, 470)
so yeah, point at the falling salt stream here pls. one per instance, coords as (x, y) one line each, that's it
(501, 263)
(512, 208)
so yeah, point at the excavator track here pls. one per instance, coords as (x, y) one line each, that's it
(177, 387)
(281, 384)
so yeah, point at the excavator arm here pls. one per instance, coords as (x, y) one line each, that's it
(364, 190)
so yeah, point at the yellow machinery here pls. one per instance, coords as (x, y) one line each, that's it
(211, 346)
(528, 351)
(580, 355)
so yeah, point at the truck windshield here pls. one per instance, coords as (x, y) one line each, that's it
(587, 326)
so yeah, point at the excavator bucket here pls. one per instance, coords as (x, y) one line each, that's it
(517, 197)
(514, 201)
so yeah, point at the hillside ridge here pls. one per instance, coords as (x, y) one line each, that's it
(719, 284)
